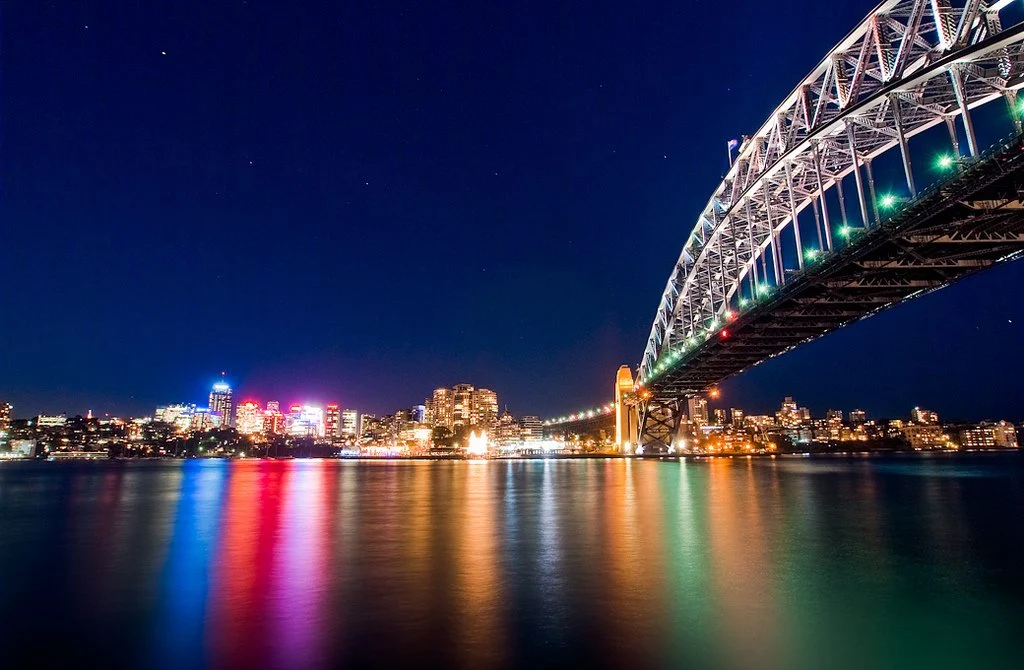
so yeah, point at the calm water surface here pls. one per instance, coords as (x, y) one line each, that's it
(788, 563)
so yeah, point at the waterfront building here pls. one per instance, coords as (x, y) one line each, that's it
(531, 429)
(736, 414)
(332, 421)
(719, 417)
(508, 432)
(221, 403)
(925, 436)
(999, 435)
(858, 417)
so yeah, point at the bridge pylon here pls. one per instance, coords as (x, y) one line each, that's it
(660, 420)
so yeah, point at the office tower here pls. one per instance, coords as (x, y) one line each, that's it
(349, 423)
(273, 420)
(249, 418)
(221, 405)
(305, 421)
(332, 421)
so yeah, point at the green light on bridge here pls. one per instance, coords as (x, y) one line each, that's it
(945, 162)
(846, 231)
(811, 255)
(887, 201)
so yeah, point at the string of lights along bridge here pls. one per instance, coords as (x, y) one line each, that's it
(893, 169)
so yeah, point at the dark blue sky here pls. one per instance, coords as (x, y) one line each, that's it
(362, 201)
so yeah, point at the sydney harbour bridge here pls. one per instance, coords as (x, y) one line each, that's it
(799, 239)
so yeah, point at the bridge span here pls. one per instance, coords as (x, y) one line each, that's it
(798, 241)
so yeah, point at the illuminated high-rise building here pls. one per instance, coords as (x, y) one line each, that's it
(736, 414)
(440, 408)
(203, 419)
(221, 405)
(697, 410)
(719, 417)
(789, 415)
(485, 409)
(332, 421)
(858, 417)
(249, 418)
(273, 419)
(305, 421)
(349, 423)
(180, 416)
(462, 405)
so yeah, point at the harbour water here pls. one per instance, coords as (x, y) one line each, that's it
(770, 563)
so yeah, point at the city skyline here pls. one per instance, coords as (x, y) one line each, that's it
(538, 286)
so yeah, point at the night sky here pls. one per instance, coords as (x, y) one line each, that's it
(358, 202)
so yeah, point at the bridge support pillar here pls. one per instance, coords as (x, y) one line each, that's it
(659, 425)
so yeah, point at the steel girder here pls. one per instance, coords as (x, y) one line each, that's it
(951, 231)
(909, 66)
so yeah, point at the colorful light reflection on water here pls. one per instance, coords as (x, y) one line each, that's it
(607, 563)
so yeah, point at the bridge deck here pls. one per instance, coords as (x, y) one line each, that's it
(948, 232)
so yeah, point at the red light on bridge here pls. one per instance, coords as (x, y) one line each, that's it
(724, 334)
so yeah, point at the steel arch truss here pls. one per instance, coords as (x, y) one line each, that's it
(909, 66)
